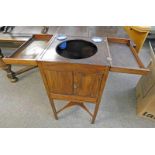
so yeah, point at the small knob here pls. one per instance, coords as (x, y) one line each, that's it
(75, 86)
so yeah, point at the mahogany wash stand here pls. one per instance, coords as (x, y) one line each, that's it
(79, 78)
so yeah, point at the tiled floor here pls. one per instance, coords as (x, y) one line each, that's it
(25, 103)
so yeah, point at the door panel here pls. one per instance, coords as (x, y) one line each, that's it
(87, 85)
(60, 82)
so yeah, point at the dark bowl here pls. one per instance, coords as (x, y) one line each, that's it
(76, 49)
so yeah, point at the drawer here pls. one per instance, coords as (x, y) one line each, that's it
(27, 52)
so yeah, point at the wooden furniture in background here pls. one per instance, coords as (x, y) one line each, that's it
(45, 29)
(138, 34)
(9, 45)
(22, 51)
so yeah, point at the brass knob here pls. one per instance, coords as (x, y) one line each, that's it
(75, 86)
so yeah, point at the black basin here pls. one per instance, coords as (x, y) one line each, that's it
(76, 49)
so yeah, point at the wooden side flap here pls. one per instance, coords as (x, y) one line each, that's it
(124, 58)
(29, 51)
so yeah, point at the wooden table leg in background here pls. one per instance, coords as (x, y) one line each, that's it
(45, 29)
(10, 74)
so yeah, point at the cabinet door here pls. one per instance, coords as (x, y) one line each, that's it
(59, 82)
(87, 84)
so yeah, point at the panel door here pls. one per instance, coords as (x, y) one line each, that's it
(59, 82)
(87, 84)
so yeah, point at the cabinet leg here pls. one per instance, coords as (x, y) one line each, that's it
(95, 113)
(54, 109)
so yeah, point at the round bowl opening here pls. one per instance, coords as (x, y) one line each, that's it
(76, 49)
